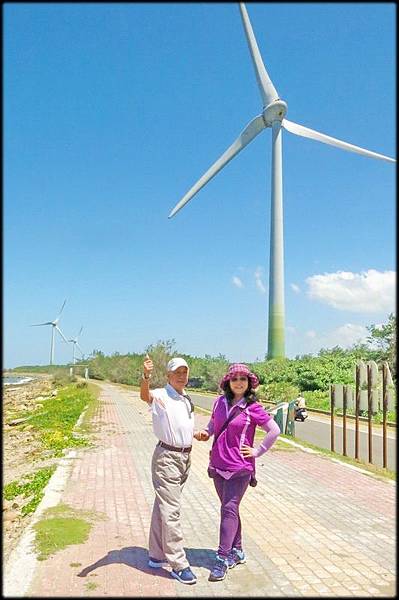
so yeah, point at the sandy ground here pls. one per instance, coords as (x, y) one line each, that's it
(22, 453)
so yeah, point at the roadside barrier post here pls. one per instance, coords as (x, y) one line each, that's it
(332, 395)
(357, 409)
(290, 424)
(345, 403)
(279, 419)
(384, 413)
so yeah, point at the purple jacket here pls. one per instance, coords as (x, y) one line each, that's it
(225, 454)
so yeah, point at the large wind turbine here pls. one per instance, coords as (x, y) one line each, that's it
(54, 328)
(273, 113)
(74, 341)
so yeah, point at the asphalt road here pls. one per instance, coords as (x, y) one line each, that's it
(316, 430)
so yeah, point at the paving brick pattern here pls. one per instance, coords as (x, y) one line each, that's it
(312, 527)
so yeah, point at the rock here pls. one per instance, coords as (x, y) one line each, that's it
(17, 421)
(10, 515)
(54, 392)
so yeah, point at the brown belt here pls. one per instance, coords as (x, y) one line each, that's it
(174, 448)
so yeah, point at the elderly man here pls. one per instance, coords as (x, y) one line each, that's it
(173, 425)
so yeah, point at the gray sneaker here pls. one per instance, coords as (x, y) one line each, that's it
(184, 576)
(236, 557)
(219, 570)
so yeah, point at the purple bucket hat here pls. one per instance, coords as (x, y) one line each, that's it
(240, 369)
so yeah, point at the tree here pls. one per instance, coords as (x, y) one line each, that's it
(160, 355)
(385, 338)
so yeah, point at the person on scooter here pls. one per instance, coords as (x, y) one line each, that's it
(300, 408)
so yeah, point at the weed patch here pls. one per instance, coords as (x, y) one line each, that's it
(31, 486)
(90, 585)
(58, 419)
(62, 526)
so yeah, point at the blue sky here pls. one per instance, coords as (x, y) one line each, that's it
(113, 111)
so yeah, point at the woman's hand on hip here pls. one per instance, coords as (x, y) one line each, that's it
(247, 451)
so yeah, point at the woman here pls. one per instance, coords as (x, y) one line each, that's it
(235, 416)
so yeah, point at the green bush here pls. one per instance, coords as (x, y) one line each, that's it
(278, 392)
(317, 399)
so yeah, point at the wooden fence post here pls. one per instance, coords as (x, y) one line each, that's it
(332, 392)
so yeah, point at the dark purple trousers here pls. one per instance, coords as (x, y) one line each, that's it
(230, 492)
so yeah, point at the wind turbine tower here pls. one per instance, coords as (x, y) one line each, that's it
(54, 328)
(74, 341)
(273, 115)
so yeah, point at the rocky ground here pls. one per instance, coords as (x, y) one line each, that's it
(22, 452)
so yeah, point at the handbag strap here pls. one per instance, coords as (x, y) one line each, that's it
(224, 426)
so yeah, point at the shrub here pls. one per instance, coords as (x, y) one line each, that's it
(278, 392)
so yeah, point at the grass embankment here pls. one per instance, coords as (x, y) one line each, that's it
(370, 468)
(55, 425)
(283, 443)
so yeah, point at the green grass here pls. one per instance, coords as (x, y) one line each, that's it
(86, 426)
(57, 420)
(57, 533)
(31, 486)
(90, 585)
(281, 445)
(372, 469)
(55, 423)
(62, 526)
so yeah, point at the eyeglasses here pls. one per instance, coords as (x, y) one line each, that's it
(239, 379)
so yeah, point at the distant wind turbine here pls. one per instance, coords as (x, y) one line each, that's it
(74, 341)
(54, 328)
(273, 113)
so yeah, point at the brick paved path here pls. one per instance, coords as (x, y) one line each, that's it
(312, 527)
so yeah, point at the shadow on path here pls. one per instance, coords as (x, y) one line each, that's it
(137, 558)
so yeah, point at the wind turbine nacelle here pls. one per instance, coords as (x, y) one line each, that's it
(275, 111)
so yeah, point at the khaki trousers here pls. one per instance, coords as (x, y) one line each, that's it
(169, 473)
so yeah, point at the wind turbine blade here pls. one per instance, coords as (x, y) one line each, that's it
(326, 139)
(80, 349)
(250, 132)
(39, 324)
(62, 308)
(267, 89)
(81, 329)
(60, 332)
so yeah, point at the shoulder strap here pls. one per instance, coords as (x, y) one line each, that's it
(224, 426)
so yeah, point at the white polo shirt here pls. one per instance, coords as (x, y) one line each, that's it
(172, 419)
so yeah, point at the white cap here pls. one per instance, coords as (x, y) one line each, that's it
(175, 363)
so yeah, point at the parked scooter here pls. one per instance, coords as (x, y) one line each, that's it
(300, 409)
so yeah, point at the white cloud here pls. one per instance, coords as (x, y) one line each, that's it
(366, 292)
(295, 288)
(344, 336)
(237, 282)
(347, 335)
(258, 280)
